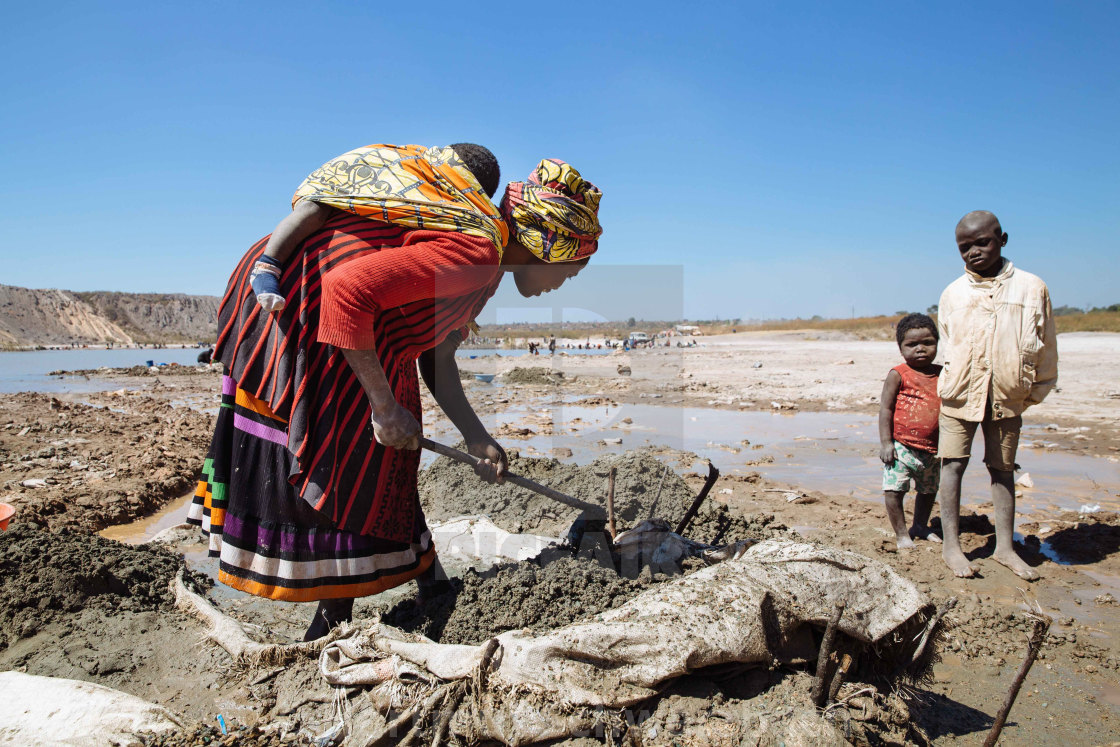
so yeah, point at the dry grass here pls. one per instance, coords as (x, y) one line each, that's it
(866, 328)
(1094, 321)
(880, 327)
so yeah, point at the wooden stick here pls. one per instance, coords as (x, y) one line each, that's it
(228, 633)
(939, 613)
(524, 482)
(484, 663)
(838, 678)
(1038, 637)
(713, 475)
(656, 498)
(415, 713)
(610, 502)
(820, 685)
(447, 712)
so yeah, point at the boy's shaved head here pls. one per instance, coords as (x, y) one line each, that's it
(980, 239)
(979, 219)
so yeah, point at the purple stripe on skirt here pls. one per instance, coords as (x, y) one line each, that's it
(229, 386)
(253, 428)
(323, 542)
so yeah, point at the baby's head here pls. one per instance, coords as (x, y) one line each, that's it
(917, 340)
(981, 239)
(481, 163)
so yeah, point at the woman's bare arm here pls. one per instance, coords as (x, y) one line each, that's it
(441, 375)
(392, 424)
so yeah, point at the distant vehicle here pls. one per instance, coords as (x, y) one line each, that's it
(638, 338)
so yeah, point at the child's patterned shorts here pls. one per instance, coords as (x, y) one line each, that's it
(921, 466)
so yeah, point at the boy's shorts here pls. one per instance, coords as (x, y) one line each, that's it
(923, 467)
(1001, 439)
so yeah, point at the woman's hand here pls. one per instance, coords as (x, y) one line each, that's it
(886, 454)
(493, 462)
(396, 427)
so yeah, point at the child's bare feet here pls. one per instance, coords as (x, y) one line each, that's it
(904, 543)
(924, 533)
(1012, 560)
(957, 563)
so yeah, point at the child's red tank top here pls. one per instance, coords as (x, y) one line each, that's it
(916, 409)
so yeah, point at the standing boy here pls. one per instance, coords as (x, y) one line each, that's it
(1001, 357)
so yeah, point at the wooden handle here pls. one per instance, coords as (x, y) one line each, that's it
(524, 482)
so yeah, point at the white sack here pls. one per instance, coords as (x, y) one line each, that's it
(742, 610)
(52, 712)
(756, 607)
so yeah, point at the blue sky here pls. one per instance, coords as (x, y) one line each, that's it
(788, 159)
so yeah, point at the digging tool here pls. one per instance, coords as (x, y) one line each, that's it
(524, 482)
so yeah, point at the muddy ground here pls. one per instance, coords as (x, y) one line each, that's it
(813, 372)
(108, 460)
(98, 459)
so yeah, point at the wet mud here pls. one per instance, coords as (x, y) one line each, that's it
(1080, 538)
(87, 466)
(556, 588)
(166, 369)
(645, 487)
(199, 735)
(47, 575)
(521, 596)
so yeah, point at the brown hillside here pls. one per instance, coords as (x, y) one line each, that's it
(30, 317)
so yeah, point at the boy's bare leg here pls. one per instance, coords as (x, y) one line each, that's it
(1003, 497)
(923, 506)
(897, 517)
(952, 470)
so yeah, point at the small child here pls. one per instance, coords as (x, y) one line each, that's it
(908, 412)
(308, 216)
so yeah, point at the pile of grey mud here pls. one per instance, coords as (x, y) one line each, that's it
(558, 587)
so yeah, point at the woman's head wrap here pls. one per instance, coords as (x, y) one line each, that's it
(554, 213)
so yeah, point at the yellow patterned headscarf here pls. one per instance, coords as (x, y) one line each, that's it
(407, 185)
(554, 213)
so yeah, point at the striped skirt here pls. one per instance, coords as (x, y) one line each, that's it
(270, 541)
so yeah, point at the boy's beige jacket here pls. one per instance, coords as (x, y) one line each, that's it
(997, 335)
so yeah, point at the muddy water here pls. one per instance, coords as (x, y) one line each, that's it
(826, 451)
(137, 532)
